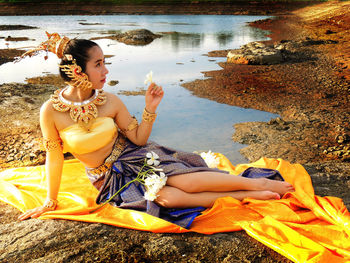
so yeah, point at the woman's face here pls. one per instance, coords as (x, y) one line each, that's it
(95, 68)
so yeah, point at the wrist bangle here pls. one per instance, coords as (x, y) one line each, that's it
(50, 204)
(148, 117)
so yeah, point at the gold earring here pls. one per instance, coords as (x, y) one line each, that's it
(78, 78)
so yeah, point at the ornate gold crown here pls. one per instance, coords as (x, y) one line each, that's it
(55, 44)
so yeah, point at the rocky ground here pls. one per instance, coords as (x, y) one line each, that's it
(309, 89)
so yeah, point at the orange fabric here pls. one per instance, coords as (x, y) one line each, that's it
(301, 226)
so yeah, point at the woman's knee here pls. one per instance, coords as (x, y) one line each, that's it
(170, 197)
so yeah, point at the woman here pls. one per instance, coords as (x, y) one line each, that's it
(96, 127)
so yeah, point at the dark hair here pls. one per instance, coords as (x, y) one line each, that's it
(79, 49)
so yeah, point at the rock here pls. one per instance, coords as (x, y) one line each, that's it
(19, 124)
(9, 54)
(10, 157)
(344, 138)
(287, 45)
(328, 32)
(341, 152)
(113, 82)
(255, 53)
(16, 27)
(90, 24)
(139, 37)
(38, 240)
(9, 38)
(26, 159)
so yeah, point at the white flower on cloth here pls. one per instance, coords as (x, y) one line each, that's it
(151, 196)
(152, 158)
(151, 180)
(149, 77)
(210, 159)
(154, 183)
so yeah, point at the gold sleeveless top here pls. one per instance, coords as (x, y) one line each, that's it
(77, 140)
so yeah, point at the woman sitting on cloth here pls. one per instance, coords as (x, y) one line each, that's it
(97, 128)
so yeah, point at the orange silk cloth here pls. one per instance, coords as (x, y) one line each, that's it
(301, 226)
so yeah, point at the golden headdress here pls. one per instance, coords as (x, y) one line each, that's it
(55, 44)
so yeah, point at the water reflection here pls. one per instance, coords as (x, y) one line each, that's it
(224, 38)
(185, 122)
(181, 40)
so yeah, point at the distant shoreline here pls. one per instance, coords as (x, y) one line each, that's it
(194, 8)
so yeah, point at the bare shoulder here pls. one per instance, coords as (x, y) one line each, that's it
(114, 100)
(46, 108)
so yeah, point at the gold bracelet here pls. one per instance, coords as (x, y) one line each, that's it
(50, 145)
(148, 117)
(50, 204)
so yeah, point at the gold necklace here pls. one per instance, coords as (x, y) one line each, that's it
(83, 112)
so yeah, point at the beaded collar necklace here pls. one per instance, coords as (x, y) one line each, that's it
(83, 112)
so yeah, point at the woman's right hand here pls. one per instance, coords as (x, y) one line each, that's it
(34, 213)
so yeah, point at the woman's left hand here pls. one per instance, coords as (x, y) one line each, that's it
(154, 95)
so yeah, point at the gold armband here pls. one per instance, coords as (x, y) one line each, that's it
(50, 204)
(49, 145)
(148, 117)
(132, 125)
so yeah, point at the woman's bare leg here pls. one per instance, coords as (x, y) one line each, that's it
(222, 182)
(172, 197)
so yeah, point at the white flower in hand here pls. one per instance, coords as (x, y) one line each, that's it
(149, 77)
(152, 158)
(210, 159)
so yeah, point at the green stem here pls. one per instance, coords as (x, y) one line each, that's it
(100, 206)
(139, 178)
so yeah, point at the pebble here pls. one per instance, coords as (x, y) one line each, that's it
(26, 159)
(10, 158)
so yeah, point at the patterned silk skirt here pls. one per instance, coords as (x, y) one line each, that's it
(124, 164)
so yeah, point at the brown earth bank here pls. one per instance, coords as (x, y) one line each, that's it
(98, 8)
(310, 92)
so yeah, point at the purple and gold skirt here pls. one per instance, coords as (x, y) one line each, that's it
(124, 164)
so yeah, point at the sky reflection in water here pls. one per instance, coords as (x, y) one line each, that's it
(184, 122)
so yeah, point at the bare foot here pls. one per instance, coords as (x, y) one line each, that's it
(279, 187)
(263, 195)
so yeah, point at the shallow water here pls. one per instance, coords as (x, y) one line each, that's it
(184, 121)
